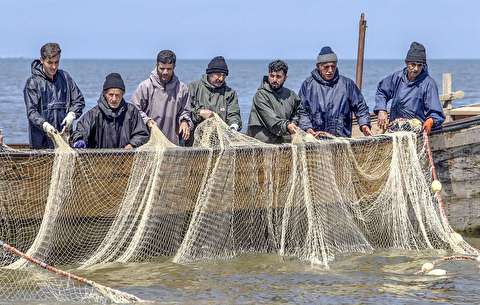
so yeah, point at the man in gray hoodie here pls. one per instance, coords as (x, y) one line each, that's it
(163, 100)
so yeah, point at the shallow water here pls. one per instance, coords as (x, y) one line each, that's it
(380, 278)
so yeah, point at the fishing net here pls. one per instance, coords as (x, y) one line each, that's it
(229, 194)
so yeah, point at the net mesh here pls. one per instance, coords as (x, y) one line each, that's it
(229, 194)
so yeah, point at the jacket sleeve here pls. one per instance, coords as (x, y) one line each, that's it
(433, 106)
(233, 111)
(77, 101)
(303, 109)
(267, 115)
(359, 106)
(33, 103)
(140, 102)
(384, 93)
(194, 104)
(84, 128)
(139, 132)
(184, 111)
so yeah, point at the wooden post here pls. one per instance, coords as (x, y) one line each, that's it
(448, 96)
(362, 26)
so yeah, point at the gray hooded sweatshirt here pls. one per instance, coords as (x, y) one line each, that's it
(166, 104)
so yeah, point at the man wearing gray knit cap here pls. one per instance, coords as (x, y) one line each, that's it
(329, 99)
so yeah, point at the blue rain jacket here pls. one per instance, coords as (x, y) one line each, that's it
(410, 99)
(328, 105)
(49, 101)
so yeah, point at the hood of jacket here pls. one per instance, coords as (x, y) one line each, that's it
(316, 76)
(37, 69)
(110, 113)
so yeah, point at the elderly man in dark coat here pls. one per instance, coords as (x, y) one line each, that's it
(412, 91)
(274, 114)
(52, 98)
(211, 94)
(329, 99)
(113, 123)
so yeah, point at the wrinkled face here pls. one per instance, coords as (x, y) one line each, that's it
(327, 70)
(276, 79)
(414, 69)
(217, 79)
(113, 96)
(50, 66)
(165, 72)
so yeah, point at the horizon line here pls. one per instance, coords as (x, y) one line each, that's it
(206, 59)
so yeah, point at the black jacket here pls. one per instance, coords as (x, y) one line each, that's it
(103, 127)
(49, 101)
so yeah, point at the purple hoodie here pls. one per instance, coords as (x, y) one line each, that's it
(166, 104)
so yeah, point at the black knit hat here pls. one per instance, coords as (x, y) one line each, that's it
(326, 55)
(113, 80)
(217, 65)
(416, 53)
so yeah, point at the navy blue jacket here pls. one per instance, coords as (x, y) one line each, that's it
(328, 105)
(410, 99)
(104, 127)
(49, 101)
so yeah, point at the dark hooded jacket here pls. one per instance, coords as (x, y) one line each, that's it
(104, 127)
(223, 101)
(272, 110)
(49, 101)
(328, 105)
(410, 99)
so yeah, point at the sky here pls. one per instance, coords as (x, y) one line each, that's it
(240, 29)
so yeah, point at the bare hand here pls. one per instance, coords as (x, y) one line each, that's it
(312, 132)
(151, 123)
(366, 131)
(128, 146)
(324, 134)
(292, 128)
(205, 113)
(382, 120)
(184, 130)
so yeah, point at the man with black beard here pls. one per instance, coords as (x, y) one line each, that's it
(274, 118)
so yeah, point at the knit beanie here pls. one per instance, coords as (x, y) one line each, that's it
(326, 55)
(416, 53)
(113, 80)
(217, 65)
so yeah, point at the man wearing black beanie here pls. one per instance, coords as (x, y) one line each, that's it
(211, 94)
(412, 91)
(113, 123)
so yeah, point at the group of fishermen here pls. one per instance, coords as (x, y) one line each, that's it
(323, 106)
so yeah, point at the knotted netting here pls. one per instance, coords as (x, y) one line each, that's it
(228, 195)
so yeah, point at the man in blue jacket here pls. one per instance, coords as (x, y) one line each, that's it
(329, 99)
(412, 92)
(52, 98)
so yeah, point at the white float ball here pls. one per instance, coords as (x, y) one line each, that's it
(427, 267)
(437, 272)
(436, 186)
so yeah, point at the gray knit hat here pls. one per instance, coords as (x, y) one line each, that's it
(326, 55)
(416, 53)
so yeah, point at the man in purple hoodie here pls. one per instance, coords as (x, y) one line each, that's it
(163, 100)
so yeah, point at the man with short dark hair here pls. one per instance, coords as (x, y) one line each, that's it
(211, 94)
(412, 91)
(163, 100)
(113, 123)
(274, 117)
(52, 98)
(329, 99)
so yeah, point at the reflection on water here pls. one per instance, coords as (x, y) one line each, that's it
(380, 278)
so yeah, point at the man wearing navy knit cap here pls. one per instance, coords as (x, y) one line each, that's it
(412, 92)
(329, 99)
